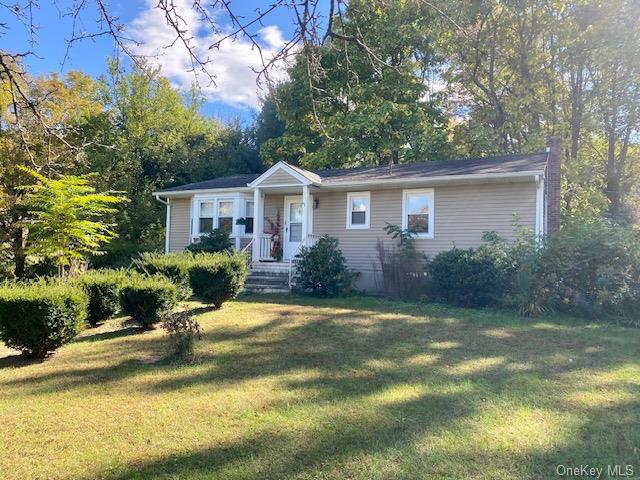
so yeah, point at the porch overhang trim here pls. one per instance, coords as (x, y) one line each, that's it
(303, 176)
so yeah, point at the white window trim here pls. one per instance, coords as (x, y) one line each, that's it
(244, 215)
(215, 199)
(367, 215)
(428, 192)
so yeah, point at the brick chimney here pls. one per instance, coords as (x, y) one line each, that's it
(552, 184)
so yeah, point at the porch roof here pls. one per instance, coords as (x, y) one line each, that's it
(504, 165)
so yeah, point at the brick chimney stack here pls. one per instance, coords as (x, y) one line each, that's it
(552, 184)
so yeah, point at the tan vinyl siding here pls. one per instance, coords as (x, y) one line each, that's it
(280, 177)
(180, 224)
(462, 214)
(272, 205)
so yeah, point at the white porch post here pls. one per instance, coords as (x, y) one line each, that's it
(305, 211)
(257, 225)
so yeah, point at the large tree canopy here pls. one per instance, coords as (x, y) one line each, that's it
(364, 104)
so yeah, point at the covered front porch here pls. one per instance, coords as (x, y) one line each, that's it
(283, 205)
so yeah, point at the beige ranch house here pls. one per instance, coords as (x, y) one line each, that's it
(447, 203)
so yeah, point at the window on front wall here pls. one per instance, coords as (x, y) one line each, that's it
(225, 215)
(417, 212)
(358, 210)
(248, 218)
(205, 224)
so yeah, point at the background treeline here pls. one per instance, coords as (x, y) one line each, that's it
(399, 81)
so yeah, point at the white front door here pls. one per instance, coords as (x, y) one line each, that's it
(293, 211)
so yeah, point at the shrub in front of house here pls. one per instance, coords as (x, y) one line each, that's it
(38, 318)
(590, 269)
(403, 267)
(216, 241)
(468, 277)
(103, 291)
(217, 277)
(174, 266)
(148, 299)
(322, 269)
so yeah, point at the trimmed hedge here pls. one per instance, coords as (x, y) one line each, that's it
(174, 266)
(148, 299)
(103, 291)
(217, 277)
(38, 318)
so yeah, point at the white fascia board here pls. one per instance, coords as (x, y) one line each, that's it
(285, 167)
(207, 191)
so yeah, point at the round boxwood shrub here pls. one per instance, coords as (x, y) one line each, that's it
(174, 266)
(148, 299)
(103, 291)
(217, 277)
(38, 318)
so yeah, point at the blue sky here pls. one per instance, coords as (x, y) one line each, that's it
(233, 96)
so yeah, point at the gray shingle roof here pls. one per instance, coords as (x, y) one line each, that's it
(467, 166)
(534, 162)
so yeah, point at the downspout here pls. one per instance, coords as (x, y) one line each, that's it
(167, 228)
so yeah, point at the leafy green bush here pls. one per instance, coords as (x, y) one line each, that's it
(119, 253)
(216, 241)
(217, 277)
(148, 299)
(38, 318)
(469, 278)
(103, 291)
(174, 266)
(590, 269)
(322, 270)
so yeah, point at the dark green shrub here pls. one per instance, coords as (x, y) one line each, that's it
(217, 277)
(174, 266)
(469, 278)
(322, 270)
(38, 318)
(216, 241)
(103, 291)
(590, 269)
(148, 299)
(119, 253)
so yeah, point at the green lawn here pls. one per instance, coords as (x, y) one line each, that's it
(358, 388)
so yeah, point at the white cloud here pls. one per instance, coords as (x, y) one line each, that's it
(232, 64)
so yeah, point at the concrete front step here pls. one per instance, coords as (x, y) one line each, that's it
(268, 278)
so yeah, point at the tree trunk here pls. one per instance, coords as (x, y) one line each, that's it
(19, 257)
(613, 177)
(576, 109)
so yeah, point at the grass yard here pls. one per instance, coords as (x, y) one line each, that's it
(357, 388)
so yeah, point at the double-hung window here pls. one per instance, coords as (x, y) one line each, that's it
(248, 218)
(358, 210)
(417, 212)
(205, 221)
(225, 215)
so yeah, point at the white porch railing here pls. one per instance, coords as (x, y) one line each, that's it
(309, 241)
(265, 247)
